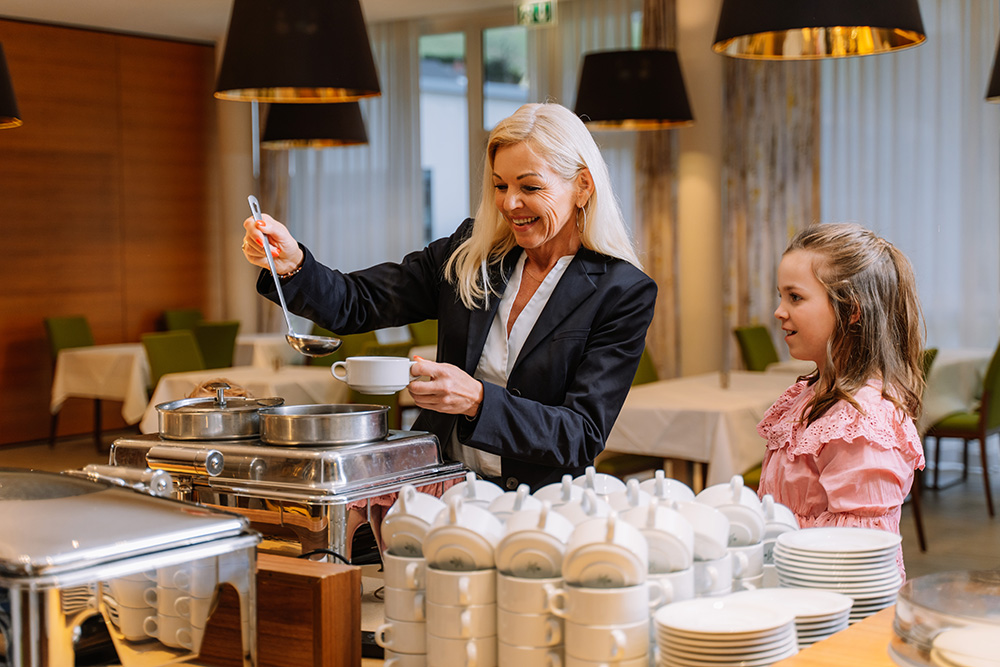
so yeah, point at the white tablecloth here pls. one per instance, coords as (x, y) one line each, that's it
(954, 384)
(265, 350)
(695, 419)
(298, 385)
(110, 372)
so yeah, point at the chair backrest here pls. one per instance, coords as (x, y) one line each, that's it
(424, 333)
(181, 318)
(171, 352)
(990, 406)
(647, 369)
(217, 342)
(756, 347)
(64, 332)
(927, 360)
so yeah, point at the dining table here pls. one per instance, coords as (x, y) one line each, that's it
(298, 385)
(865, 643)
(697, 419)
(954, 384)
(116, 372)
(265, 350)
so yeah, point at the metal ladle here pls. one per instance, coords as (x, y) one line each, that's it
(311, 346)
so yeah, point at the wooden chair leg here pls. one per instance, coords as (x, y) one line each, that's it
(937, 463)
(917, 511)
(53, 429)
(97, 424)
(986, 475)
(965, 460)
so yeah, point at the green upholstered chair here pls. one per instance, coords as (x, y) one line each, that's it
(171, 352)
(756, 347)
(181, 318)
(424, 333)
(646, 372)
(217, 342)
(978, 424)
(63, 333)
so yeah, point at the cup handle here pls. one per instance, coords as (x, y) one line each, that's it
(410, 371)
(736, 488)
(740, 564)
(383, 635)
(183, 606)
(149, 626)
(713, 576)
(554, 634)
(150, 596)
(465, 624)
(664, 594)
(185, 639)
(554, 659)
(463, 591)
(557, 602)
(420, 607)
(411, 576)
(617, 644)
(471, 654)
(339, 365)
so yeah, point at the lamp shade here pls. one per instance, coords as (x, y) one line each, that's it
(9, 115)
(297, 51)
(314, 126)
(808, 29)
(993, 91)
(632, 90)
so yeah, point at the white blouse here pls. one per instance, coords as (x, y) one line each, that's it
(501, 351)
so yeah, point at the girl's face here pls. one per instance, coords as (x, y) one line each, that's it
(539, 205)
(804, 309)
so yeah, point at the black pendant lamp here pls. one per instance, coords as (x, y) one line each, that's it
(297, 51)
(314, 126)
(632, 90)
(9, 114)
(809, 29)
(993, 91)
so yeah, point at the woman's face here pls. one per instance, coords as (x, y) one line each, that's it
(538, 204)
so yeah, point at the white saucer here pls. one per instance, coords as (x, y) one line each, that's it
(714, 655)
(813, 559)
(839, 540)
(707, 617)
(378, 389)
(803, 603)
(761, 662)
(457, 548)
(530, 554)
(723, 642)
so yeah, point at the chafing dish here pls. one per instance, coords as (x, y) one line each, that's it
(72, 548)
(297, 493)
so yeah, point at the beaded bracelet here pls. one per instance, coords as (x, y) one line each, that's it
(291, 273)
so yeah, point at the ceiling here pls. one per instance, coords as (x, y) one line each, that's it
(198, 20)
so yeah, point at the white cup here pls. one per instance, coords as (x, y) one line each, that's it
(164, 600)
(462, 621)
(748, 562)
(641, 661)
(130, 591)
(533, 543)
(529, 656)
(394, 659)
(199, 578)
(600, 483)
(529, 629)
(406, 572)
(711, 529)
(676, 586)
(401, 604)
(504, 505)
(778, 519)
(448, 587)
(374, 375)
(463, 537)
(606, 552)
(632, 496)
(525, 596)
(713, 577)
(130, 621)
(560, 493)
(668, 534)
(406, 523)
(607, 642)
(473, 652)
(667, 489)
(605, 606)
(741, 506)
(587, 506)
(402, 636)
(173, 631)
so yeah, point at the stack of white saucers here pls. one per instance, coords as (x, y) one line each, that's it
(723, 632)
(858, 562)
(818, 614)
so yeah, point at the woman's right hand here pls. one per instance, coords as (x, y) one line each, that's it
(284, 248)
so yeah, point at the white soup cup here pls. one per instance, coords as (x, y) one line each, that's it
(402, 636)
(607, 642)
(473, 652)
(374, 375)
(605, 606)
(529, 629)
(448, 587)
(406, 572)
(529, 656)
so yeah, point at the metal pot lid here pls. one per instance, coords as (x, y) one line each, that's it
(219, 402)
(55, 523)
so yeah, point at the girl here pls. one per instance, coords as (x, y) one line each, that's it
(841, 442)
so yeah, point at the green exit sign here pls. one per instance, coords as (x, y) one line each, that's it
(538, 13)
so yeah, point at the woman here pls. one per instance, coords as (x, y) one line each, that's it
(542, 308)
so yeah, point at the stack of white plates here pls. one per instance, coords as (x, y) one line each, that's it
(723, 632)
(818, 614)
(966, 647)
(857, 562)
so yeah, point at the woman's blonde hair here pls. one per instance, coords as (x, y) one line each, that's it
(878, 330)
(558, 136)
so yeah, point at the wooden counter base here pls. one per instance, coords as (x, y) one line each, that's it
(864, 643)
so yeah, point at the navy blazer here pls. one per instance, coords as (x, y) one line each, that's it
(567, 385)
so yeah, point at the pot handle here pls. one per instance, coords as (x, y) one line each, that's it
(186, 461)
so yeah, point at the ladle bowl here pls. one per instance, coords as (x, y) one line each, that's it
(306, 344)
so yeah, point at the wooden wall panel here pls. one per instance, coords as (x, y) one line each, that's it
(78, 184)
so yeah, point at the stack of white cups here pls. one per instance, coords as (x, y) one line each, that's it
(403, 635)
(606, 599)
(778, 519)
(462, 585)
(745, 548)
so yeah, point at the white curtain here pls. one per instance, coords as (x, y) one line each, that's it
(359, 205)
(910, 150)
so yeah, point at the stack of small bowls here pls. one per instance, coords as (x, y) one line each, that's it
(461, 590)
(403, 635)
(745, 547)
(529, 570)
(606, 598)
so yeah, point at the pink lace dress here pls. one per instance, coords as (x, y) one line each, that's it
(847, 468)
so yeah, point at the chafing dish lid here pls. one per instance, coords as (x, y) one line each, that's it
(53, 523)
(212, 404)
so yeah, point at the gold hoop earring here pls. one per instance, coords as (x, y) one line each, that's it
(580, 228)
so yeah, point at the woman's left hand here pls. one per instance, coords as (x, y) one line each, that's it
(449, 389)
